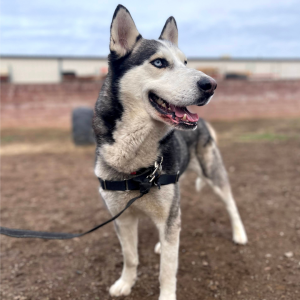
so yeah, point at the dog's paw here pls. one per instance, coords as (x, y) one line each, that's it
(120, 288)
(157, 248)
(239, 235)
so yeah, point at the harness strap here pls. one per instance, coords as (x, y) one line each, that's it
(142, 183)
(134, 183)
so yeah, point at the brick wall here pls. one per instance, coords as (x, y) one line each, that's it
(51, 105)
(254, 99)
(45, 105)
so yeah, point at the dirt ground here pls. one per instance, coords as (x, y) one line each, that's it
(48, 184)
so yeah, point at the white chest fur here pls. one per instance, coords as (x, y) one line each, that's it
(136, 143)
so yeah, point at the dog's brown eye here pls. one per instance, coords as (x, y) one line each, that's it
(159, 63)
(185, 62)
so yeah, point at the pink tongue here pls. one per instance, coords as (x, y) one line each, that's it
(191, 117)
(179, 112)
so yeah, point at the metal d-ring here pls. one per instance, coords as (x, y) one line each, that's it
(158, 167)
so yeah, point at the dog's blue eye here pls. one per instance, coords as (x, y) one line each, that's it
(159, 63)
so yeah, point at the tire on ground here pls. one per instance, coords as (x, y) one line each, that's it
(82, 130)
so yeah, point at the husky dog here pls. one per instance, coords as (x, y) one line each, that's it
(141, 114)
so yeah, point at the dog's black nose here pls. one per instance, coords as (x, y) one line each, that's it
(207, 84)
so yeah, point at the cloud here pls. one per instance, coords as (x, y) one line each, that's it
(212, 28)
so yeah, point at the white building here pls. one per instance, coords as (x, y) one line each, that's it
(30, 69)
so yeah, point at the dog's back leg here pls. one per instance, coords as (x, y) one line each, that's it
(127, 230)
(214, 173)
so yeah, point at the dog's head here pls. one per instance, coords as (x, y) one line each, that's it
(152, 75)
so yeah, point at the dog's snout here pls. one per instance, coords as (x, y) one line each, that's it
(207, 84)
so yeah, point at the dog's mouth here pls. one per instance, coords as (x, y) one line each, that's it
(177, 115)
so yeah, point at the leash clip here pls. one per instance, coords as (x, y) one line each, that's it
(157, 170)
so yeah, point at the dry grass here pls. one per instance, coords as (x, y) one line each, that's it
(38, 140)
(30, 141)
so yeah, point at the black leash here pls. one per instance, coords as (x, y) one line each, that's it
(143, 182)
(20, 233)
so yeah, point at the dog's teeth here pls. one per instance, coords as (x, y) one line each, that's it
(184, 117)
(164, 105)
(169, 108)
(159, 101)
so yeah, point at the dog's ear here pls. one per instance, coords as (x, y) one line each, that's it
(170, 31)
(123, 32)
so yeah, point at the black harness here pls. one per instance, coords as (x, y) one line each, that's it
(143, 182)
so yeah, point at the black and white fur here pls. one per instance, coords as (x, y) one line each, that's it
(131, 133)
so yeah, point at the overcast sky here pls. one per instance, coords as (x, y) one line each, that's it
(207, 28)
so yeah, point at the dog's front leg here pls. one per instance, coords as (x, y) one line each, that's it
(169, 241)
(126, 227)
